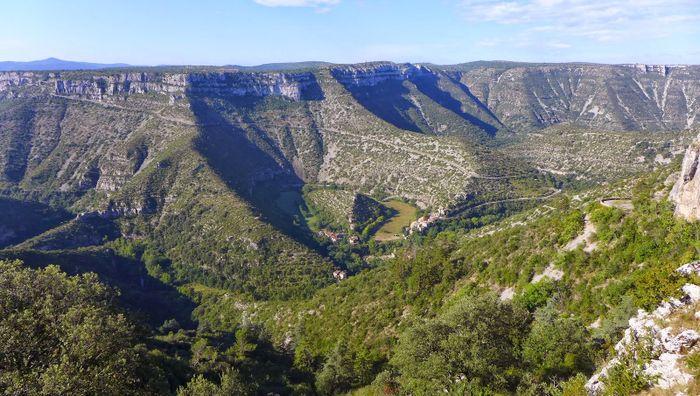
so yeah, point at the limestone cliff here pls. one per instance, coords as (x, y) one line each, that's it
(519, 96)
(98, 86)
(609, 97)
(371, 74)
(686, 192)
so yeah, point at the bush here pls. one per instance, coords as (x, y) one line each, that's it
(627, 376)
(557, 346)
(536, 295)
(476, 340)
(230, 383)
(63, 335)
(337, 373)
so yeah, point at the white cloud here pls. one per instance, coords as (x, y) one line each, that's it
(10, 43)
(323, 4)
(489, 42)
(559, 45)
(602, 20)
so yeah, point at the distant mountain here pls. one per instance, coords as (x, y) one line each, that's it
(56, 64)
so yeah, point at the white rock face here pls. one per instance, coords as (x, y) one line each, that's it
(690, 268)
(173, 85)
(95, 87)
(667, 350)
(586, 238)
(370, 74)
(550, 272)
(15, 79)
(291, 85)
(686, 192)
(507, 294)
(668, 346)
(667, 368)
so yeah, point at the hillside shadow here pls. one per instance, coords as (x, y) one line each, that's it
(387, 101)
(428, 85)
(476, 100)
(148, 298)
(81, 232)
(21, 220)
(249, 162)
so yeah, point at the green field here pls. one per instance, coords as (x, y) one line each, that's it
(393, 229)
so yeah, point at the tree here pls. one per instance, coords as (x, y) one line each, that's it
(536, 295)
(63, 335)
(170, 326)
(337, 373)
(475, 344)
(244, 345)
(205, 358)
(230, 384)
(557, 346)
(199, 386)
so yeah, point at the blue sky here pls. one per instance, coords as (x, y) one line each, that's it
(246, 32)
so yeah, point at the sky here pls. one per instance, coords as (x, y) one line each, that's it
(250, 32)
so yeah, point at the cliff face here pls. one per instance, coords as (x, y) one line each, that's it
(15, 79)
(521, 97)
(174, 85)
(609, 97)
(120, 84)
(532, 96)
(321, 127)
(295, 86)
(686, 192)
(371, 74)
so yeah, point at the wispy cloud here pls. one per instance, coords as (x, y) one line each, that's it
(603, 21)
(11, 43)
(558, 45)
(322, 5)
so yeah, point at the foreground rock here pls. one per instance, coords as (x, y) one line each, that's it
(652, 334)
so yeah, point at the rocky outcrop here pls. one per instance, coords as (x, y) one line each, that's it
(95, 87)
(662, 70)
(664, 345)
(686, 192)
(370, 74)
(15, 79)
(295, 86)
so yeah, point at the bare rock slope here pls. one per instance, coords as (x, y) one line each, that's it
(686, 192)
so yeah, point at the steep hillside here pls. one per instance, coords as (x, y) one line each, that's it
(400, 316)
(20, 220)
(199, 164)
(589, 155)
(255, 220)
(686, 191)
(608, 97)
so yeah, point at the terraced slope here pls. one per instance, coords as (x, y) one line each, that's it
(595, 155)
(195, 160)
(194, 163)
